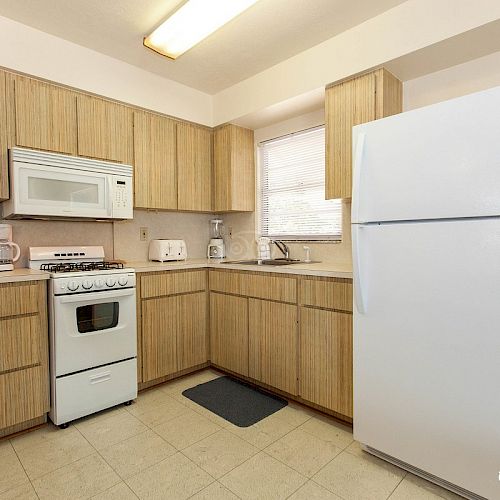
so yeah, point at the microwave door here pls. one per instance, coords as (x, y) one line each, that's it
(41, 190)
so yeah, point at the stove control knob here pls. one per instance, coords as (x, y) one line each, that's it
(99, 283)
(122, 280)
(73, 286)
(87, 284)
(110, 282)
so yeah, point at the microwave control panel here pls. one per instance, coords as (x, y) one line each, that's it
(122, 197)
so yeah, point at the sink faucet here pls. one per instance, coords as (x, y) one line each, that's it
(282, 247)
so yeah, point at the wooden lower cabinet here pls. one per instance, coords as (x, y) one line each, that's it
(326, 359)
(229, 332)
(272, 338)
(173, 334)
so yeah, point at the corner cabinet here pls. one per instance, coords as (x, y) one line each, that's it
(105, 129)
(24, 377)
(155, 162)
(358, 100)
(194, 168)
(234, 169)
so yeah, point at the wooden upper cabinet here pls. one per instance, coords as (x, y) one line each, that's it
(194, 168)
(234, 169)
(358, 100)
(155, 174)
(4, 143)
(44, 115)
(105, 129)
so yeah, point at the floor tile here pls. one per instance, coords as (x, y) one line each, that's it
(220, 453)
(263, 433)
(63, 447)
(118, 492)
(186, 429)
(23, 492)
(82, 479)
(102, 433)
(263, 477)
(355, 449)
(295, 414)
(313, 491)
(137, 453)
(416, 488)
(37, 436)
(328, 429)
(175, 478)
(147, 400)
(303, 452)
(157, 414)
(359, 478)
(12, 472)
(183, 383)
(215, 492)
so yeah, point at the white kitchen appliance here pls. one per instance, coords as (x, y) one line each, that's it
(216, 248)
(9, 251)
(52, 185)
(92, 330)
(167, 250)
(426, 258)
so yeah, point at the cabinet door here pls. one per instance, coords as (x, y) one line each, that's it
(273, 345)
(4, 141)
(45, 116)
(194, 168)
(191, 330)
(159, 337)
(326, 359)
(155, 167)
(234, 169)
(229, 332)
(104, 129)
(346, 104)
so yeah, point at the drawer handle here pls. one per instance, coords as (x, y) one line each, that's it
(100, 377)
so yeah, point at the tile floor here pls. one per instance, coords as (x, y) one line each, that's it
(166, 447)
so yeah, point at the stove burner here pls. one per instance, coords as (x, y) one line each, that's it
(69, 267)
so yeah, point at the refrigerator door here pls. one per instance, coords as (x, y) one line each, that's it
(427, 347)
(441, 161)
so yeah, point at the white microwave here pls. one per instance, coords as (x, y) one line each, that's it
(53, 185)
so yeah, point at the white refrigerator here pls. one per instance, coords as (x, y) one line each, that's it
(426, 260)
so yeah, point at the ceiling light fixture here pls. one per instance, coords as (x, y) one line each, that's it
(192, 22)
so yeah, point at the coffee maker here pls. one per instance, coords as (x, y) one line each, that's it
(216, 248)
(9, 251)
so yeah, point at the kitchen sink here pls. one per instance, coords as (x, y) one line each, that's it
(266, 262)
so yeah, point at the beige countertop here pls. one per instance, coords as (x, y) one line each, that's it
(23, 274)
(314, 269)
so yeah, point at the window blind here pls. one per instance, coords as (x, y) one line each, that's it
(292, 189)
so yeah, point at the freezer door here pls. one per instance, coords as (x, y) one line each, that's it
(441, 161)
(427, 347)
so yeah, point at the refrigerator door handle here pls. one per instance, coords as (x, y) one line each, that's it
(356, 184)
(356, 263)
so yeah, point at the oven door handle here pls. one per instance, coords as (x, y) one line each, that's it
(86, 297)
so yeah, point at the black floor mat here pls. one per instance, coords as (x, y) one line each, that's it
(237, 402)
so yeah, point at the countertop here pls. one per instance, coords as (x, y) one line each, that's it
(314, 269)
(23, 274)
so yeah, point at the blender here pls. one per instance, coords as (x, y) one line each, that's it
(7, 246)
(216, 248)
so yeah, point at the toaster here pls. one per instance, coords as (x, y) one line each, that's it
(165, 250)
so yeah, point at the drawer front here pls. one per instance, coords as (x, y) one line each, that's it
(172, 282)
(20, 342)
(94, 390)
(260, 286)
(329, 294)
(23, 395)
(19, 298)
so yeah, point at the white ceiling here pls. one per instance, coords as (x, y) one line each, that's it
(267, 33)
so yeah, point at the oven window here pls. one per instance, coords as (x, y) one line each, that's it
(96, 317)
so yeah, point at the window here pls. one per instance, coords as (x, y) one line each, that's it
(292, 189)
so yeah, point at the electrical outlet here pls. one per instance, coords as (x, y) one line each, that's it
(144, 234)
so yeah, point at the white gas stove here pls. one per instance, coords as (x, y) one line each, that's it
(93, 335)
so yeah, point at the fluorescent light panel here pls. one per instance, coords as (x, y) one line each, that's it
(193, 22)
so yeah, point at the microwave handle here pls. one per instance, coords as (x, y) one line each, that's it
(110, 196)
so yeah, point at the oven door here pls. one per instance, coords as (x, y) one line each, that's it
(93, 329)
